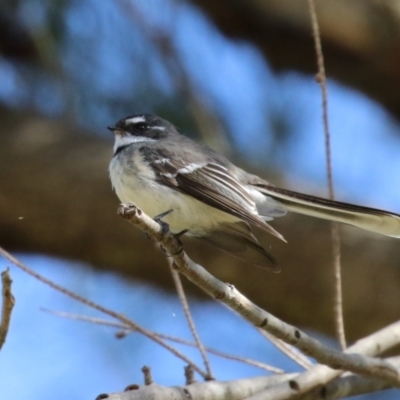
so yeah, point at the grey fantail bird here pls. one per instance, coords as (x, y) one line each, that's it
(158, 169)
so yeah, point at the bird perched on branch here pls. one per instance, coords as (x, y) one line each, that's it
(202, 194)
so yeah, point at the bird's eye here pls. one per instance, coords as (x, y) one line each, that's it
(141, 126)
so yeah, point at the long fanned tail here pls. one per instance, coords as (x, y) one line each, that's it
(371, 219)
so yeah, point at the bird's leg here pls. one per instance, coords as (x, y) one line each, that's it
(162, 215)
(178, 238)
(165, 229)
(158, 218)
(181, 233)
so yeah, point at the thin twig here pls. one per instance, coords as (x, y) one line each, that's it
(127, 330)
(185, 306)
(133, 325)
(189, 375)
(8, 305)
(321, 79)
(289, 350)
(229, 295)
(148, 378)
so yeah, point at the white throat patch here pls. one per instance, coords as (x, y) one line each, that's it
(121, 141)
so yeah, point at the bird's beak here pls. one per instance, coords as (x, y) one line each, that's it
(116, 130)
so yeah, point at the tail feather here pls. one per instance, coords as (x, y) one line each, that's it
(371, 219)
(238, 240)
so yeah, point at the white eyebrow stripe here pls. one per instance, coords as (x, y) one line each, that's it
(135, 120)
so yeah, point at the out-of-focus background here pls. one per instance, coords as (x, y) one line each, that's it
(237, 75)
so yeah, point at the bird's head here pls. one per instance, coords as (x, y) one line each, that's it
(140, 128)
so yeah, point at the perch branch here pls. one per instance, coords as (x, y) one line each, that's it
(229, 295)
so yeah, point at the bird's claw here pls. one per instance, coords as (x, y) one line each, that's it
(158, 218)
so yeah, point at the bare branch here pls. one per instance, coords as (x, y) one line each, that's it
(289, 350)
(235, 390)
(8, 305)
(321, 79)
(349, 385)
(233, 298)
(127, 330)
(320, 375)
(185, 306)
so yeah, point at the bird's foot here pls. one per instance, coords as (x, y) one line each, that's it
(177, 236)
(158, 218)
(165, 228)
(181, 233)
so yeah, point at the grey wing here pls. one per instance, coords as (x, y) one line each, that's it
(212, 184)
